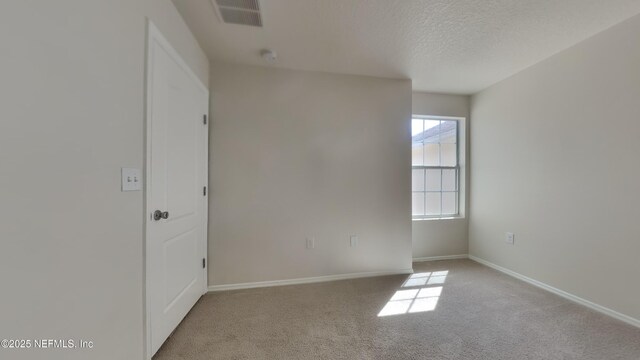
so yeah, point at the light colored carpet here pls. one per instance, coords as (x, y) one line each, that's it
(480, 314)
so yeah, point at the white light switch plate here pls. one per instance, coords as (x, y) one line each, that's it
(509, 238)
(311, 243)
(354, 240)
(131, 179)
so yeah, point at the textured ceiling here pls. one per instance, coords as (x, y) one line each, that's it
(449, 46)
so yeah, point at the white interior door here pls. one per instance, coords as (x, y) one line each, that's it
(176, 196)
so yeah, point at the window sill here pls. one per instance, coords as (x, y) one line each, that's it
(453, 217)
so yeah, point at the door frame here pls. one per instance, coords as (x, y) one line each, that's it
(154, 35)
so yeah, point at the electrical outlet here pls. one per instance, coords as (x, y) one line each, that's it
(509, 238)
(353, 240)
(311, 243)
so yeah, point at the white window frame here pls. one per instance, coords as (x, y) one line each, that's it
(458, 191)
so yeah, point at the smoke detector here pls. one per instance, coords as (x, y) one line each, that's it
(241, 12)
(268, 55)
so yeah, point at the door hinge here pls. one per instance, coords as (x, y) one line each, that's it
(204, 119)
(204, 191)
(204, 263)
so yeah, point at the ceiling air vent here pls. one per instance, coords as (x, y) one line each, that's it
(243, 12)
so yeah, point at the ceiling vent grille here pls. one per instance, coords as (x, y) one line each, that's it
(242, 12)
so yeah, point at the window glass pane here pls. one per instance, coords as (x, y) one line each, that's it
(433, 180)
(432, 154)
(434, 144)
(418, 179)
(449, 132)
(449, 201)
(416, 126)
(431, 131)
(449, 182)
(417, 155)
(418, 203)
(449, 154)
(433, 203)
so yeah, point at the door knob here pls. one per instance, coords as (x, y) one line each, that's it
(158, 214)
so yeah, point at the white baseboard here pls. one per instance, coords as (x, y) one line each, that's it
(308, 280)
(445, 257)
(599, 308)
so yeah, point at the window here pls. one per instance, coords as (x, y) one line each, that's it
(435, 167)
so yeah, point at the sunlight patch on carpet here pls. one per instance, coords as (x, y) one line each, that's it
(416, 295)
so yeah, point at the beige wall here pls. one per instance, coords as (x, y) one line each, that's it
(72, 93)
(443, 237)
(555, 160)
(301, 154)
